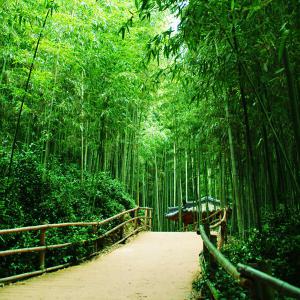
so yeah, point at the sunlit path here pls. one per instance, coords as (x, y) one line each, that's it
(153, 266)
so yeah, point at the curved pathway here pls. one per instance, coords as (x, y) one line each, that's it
(154, 265)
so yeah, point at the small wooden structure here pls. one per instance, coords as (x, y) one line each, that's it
(190, 210)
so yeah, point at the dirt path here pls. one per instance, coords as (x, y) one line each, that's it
(156, 266)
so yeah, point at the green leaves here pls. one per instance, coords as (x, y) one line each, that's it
(137, 4)
(52, 5)
(232, 5)
(284, 36)
(126, 26)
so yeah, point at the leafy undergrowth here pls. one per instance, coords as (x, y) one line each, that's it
(34, 196)
(278, 246)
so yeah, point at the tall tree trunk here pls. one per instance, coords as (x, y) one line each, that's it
(81, 123)
(156, 194)
(174, 174)
(236, 194)
(250, 153)
(186, 176)
(293, 101)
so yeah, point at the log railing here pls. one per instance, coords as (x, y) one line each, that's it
(259, 284)
(44, 247)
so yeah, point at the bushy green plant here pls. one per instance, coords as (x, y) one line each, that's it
(281, 240)
(278, 244)
(110, 197)
(32, 195)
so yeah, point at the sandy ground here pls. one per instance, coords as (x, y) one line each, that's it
(155, 265)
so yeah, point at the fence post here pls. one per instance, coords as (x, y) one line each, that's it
(150, 219)
(121, 232)
(146, 218)
(135, 215)
(95, 229)
(42, 253)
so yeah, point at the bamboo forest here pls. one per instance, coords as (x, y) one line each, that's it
(177, 119)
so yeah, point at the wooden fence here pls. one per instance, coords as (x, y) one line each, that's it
(261, 285)
(43, 247)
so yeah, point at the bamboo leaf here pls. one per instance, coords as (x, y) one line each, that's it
(279, 71)
(137, 4)
(283, 40)
(122, 31)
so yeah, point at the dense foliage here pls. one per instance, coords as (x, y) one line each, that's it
(33, 196)
(274, 250)
(71, 86)
(170, 132)
(72, 95)
(173, 100)
(233, 108)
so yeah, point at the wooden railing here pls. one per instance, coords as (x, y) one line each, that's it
(43, 247)
(259, 284)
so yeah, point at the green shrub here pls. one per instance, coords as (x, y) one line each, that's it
(32, 196)
(278, 244)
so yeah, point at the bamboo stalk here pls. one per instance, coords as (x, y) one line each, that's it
(49, 12)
